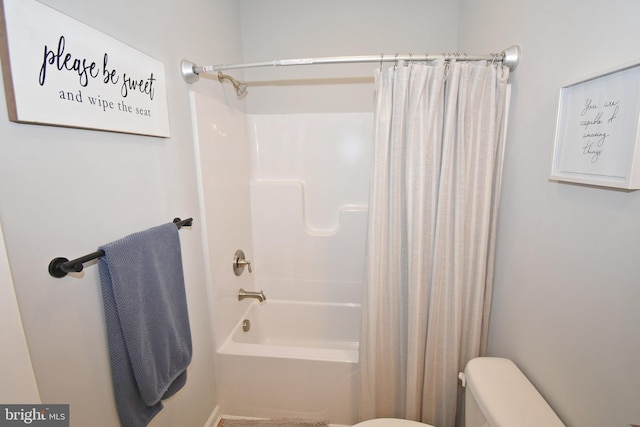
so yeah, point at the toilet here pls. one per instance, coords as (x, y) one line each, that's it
(497, 394)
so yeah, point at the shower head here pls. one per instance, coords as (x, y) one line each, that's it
(240, 87)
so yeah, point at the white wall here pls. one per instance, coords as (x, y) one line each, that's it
(18, 380)
(567, 284)
(282, 29)
(64, 192)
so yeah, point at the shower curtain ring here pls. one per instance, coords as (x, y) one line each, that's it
(381, 58)
(395, 64)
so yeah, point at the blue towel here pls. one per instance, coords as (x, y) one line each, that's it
(147, 321)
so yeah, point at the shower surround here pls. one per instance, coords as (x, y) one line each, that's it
(309, 195)
(291, 190)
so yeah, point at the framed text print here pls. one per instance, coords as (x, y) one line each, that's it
(58, 71)
(597, 131)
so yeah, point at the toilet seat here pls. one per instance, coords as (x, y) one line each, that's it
(390, 422)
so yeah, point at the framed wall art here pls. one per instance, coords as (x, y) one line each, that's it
(61, 72)
(596, 141)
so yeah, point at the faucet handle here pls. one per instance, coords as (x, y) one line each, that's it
(239, 262)
(243, 262)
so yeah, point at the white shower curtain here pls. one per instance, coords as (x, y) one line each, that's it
(439, 142)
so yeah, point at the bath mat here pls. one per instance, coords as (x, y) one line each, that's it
(276, 422)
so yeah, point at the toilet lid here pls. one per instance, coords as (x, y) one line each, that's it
(390, 422)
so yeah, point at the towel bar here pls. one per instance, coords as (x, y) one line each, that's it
(59, 267)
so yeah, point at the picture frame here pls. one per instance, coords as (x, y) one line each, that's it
(58, 71)
(597, 130)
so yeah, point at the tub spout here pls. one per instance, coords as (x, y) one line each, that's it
(242, 294)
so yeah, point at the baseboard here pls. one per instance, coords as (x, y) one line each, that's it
(213, 418)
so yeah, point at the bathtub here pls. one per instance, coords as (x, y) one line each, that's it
(298, 330)
(298, 359)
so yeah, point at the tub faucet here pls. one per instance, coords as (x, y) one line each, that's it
(242, 294)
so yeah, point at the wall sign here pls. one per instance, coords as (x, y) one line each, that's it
(59, 71)
(597, 131)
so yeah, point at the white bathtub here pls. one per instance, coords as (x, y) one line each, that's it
(298, 359)
(298, 330)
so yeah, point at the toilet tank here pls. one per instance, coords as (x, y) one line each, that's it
(499, 395)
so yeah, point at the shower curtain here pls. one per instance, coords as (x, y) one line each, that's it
(439, 142)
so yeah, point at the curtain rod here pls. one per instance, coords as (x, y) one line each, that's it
(59, 267)
(509, 57)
